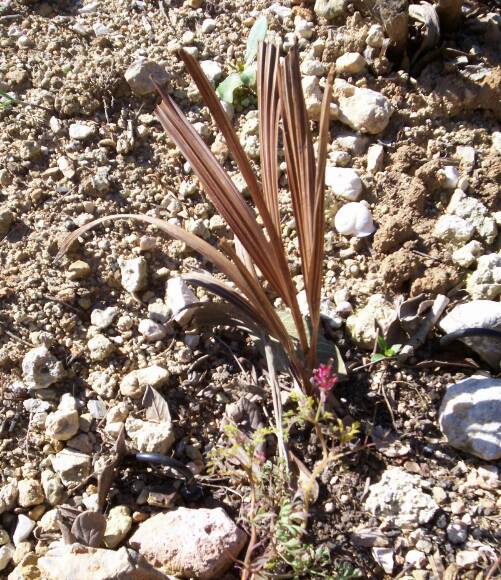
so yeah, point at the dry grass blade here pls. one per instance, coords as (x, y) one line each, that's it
(222, 192)
(269, 116)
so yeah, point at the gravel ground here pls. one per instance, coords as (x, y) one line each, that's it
(83, 145)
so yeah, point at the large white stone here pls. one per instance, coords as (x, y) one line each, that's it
(192, 543)
(74, 561)
(212, 70)
(477, 314)
(470, 416)
(24, 527)
(475, 213)
(62, 424)
(344, 182)
(467, 255)
(41, 369)
(362, 109)
(118, 524)
(6, 553)
(103, 318)
(398, 496)
(350, 63)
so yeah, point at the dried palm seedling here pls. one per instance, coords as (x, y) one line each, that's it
(257, 255)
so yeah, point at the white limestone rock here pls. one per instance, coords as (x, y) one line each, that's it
(41, 369)
(485, 282)
(178, 295)
(134, 274)
(344, 182)
(134, 384)
(470, 416)
(453, 229)
(362, 109)
(351, 63)
(150, 437)
(398, 496)
(354, 219)
(138, 76)
(468, 254)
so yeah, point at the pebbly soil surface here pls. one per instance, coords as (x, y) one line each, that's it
(69, 59)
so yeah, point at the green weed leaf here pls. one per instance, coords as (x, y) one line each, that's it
(377, 357)
(256, 35)
(227, 88)
(249, 75)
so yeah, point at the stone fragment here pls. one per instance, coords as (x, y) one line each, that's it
(30, 493)
(78, 270)
(330, 9)
(362, 109)
(210, 542)
(8, 496)
(72, 466)
(103, 318)
(313, 67)
(62, 425)
(398, 496)
(375, 36)
(178, 295)
(475, 213)
(453, 229)
(467, 558)
(53, 488)
(150, 437)
(312, 95)
(477, 314)
(6, 219)
(212, 70)
(457, 532)
(138, 76)
(103, 383)
(485, 282)
(151, 330)
(134, 274)
(66, 167)
(118, 525)
(350, 63)
(354, 219)
(344, 182)
(385, 558)
(100, 347)
(467, 255)
(69, 562)
(6, 553)
(375, 158)
(81, 131)
(134, 383)
(361, 325)
(41, 369)
(24, 527)
(448, 177)
(303, 28)
(208, 26)
(470, 416)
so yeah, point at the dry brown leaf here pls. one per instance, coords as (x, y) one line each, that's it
(156, 406)
(88, 528)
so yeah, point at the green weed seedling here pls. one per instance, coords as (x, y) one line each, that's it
(387, 351)
(245, 74)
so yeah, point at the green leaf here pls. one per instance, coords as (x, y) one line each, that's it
(377, 357)
(256, 35)
(230, 84)
(395, 348)
(383, 345)
(249, 75)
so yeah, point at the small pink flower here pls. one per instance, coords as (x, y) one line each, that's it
(324, 378)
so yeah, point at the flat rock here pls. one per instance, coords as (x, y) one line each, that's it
(72, 466)
(398, 497)
(470, 416)
(200, 543)
(68, 562)
(477, 314)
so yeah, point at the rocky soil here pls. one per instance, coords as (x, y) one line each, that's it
(415, 152)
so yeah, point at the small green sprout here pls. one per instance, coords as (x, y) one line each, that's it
(387, 351)
(244, 76)
(7, 101)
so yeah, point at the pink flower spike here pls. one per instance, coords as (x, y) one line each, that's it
(324, 377)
